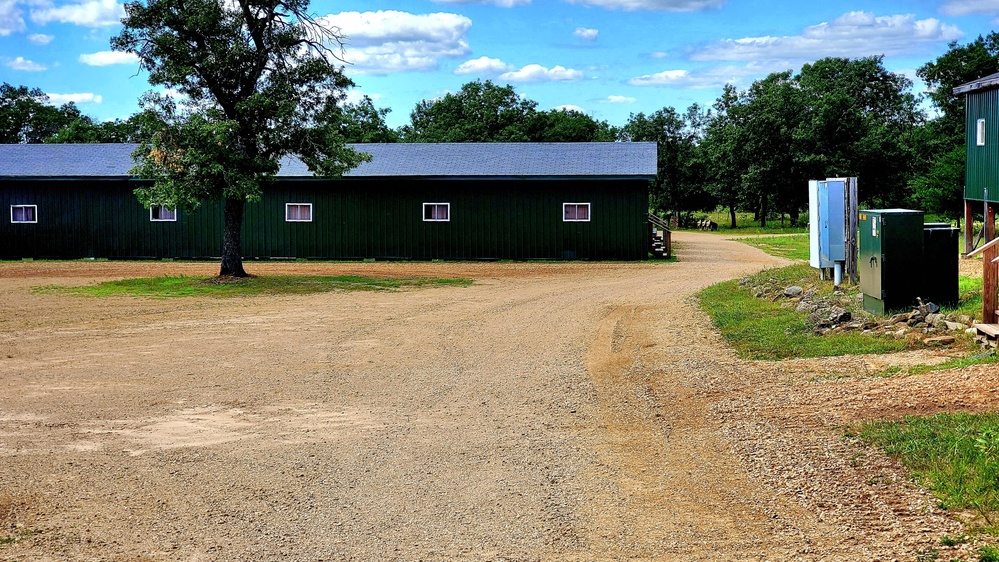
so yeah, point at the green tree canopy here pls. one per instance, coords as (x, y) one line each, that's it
(363, 122)
(478, 112)
(260, 83)
(27, 117)
(679, 184)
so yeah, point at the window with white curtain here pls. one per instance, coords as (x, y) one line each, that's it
(24, 213)
(298, 212)
(437, 212)
(576, 212)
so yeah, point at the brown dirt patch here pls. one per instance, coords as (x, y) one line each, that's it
(573, 411)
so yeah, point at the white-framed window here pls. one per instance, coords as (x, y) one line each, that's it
(24, 213)
(437, 212)
(980, 132)
(298, 212)
(576, 212)
(159, 213)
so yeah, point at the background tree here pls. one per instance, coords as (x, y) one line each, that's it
(859, 121)
(679, 185)
(722, 148)
(132, 130)
(362, 122)
(561, 125)
(479, 112)
(261, 83)
(27, 117)
(937, 181)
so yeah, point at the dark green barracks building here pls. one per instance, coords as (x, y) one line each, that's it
(411, 201)
(981, 184)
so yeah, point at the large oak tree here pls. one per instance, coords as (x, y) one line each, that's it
(259, 80)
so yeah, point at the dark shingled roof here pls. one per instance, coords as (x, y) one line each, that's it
(986, 83)
(454, 160)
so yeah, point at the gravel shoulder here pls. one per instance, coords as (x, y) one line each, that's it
(550, 411)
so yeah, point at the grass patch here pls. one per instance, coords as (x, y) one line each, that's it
(184, 286)
(792, 247)
(744, 224)
(760, 329)
(956, 456)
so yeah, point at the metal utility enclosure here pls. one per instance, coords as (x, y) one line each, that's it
(832, 222)
(941, 275)
(891, 256)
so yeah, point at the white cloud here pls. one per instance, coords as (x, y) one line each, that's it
(59, 99)
(538, 73)
(107, 58)
(854, 34)
(484, 66)
(389, 41)
(618, 99)
(586, 34)
(21, 63)
(714, 77)
(966, 7)
(500, 3)
(658, 54)
(654, 5)
(90, 13)
(10, 18)
(355, 96)
(569, 107)
(40, 38)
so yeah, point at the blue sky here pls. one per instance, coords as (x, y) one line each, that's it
(608, 58)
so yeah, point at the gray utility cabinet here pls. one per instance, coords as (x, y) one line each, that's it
(891, 258)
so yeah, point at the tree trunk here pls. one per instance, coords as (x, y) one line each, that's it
(764, 210)
(232, 244)
(731, 214)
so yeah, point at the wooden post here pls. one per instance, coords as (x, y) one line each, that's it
(969, 227)
(990, 222)
(990, 281)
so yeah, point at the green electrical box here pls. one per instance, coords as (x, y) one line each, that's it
(891, 258)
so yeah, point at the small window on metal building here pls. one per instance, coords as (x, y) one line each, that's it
(160, 213)
(980, 132)
(576, 212)
(24, 213)
(298, 212)
(437, 212)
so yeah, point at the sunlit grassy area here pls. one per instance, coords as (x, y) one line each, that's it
(792, 246)
(183, 286)
(954, 455)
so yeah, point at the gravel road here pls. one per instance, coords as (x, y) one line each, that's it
(550, 411)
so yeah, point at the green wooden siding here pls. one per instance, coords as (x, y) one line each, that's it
(982, 169)
(351, 219)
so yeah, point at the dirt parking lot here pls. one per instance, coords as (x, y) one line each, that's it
(550, 411)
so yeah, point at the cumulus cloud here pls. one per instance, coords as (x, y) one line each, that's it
(89, 13)
(107, 58)
(966, 7)
(10, 18)
(854, 34)
(569, 107)
(658, 54)
(355, 96)
(389, 41)
(586, 34)
(538, 73)
(40, 38)
(21, 63)
(500, 3)
(483, 66)
(59, 99)
(653, 5)
(618, 99)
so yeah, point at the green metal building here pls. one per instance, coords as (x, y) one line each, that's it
(411, 201)
(981, 188)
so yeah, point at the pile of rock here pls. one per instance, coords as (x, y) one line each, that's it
(832, 314)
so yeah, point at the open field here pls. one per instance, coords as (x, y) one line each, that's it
(549, 411)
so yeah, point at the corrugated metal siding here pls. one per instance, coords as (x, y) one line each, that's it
(352, 219)
(982, 168)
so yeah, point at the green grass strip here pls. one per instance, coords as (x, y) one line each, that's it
(792, 247)
(759, 329)
(184, 286)
(956, 456)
